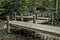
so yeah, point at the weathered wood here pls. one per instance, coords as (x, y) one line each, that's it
(8, 24)
(21, 17)
(34, 19)
(36, 15)
(39, 21)
(52, 19)
(47, 28)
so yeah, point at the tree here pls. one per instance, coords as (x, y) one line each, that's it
(56, 10)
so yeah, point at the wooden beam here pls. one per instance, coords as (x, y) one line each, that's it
(8, 24)
(36, 15)
(34, 19)
(21, 17)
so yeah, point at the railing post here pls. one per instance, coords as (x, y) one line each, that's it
(21, 17)
(8, 24)
(53, 19)
(34, 19)
(36, 16)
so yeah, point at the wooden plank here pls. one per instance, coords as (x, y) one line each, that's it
(46, 18)
(39, 21)
(46, 28)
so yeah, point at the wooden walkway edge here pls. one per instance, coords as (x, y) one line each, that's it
(46, 28)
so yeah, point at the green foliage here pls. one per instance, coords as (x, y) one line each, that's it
(22, 6)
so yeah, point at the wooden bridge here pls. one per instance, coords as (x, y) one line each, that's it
(40, 27)
(47, 28)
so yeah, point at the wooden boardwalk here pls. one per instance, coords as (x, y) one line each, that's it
(47, 28)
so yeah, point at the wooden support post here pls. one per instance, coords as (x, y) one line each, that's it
(34, 19)
(53, 19)
(21, 17)
(36, 16)
(15, 17)
(8, 24)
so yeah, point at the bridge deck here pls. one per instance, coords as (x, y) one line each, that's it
(46, 28)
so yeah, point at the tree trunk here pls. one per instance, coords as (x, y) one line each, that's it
(56, 10)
